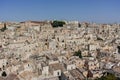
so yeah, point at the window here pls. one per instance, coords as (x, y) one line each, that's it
(68, 77)
(58, 73)
(4, 74)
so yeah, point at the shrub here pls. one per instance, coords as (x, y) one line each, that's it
(4, 74)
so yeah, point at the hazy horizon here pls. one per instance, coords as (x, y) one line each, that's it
(103, 11)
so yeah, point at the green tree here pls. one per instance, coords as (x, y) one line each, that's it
(57, 23)
(4, 74)
(4, 28)
(109, 76)
(78, 53)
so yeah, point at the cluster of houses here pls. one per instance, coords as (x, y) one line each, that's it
(34, 50)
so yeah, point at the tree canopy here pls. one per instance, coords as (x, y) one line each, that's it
(78, 53)
(4, 74)
(57, 23)
(4, 28)
(109, 76)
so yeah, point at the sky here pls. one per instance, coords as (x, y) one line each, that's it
(100, 11)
